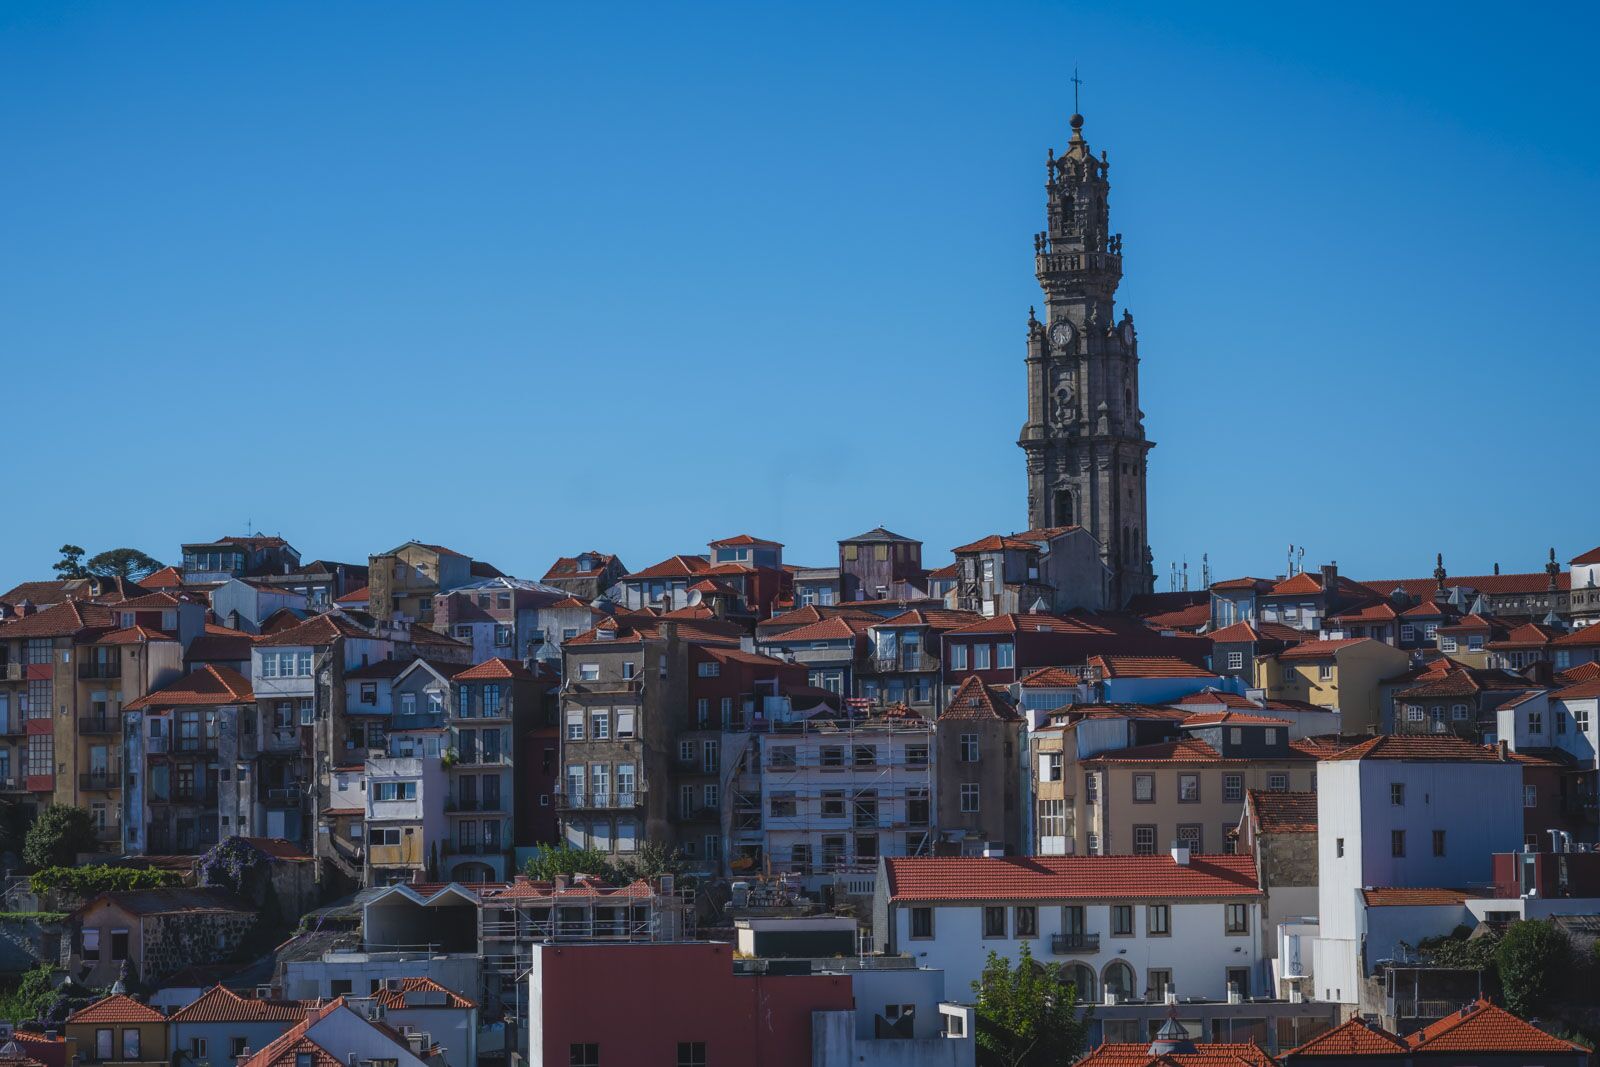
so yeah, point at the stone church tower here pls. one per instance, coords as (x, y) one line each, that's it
(1084, 437)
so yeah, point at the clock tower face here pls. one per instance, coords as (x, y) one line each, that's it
(1061, 334)
(1127, 333)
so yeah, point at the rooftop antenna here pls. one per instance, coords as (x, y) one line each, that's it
(1301, 563)
(1205, 570)
(1185, 575)
(1291, 563)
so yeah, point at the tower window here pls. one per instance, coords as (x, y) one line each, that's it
(1064, 514)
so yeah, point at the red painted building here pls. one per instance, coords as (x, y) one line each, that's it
(675, 1002)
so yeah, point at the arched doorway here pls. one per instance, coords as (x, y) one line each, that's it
(1119, 980)
(1081, 975)
(472, 872)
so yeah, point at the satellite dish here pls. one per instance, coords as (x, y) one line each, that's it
(695, 597)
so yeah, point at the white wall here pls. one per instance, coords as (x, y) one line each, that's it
(1197, 952)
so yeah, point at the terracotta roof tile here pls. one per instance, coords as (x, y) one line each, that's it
(1583, 637)
(674, 567)
(835, 628)
(221, 1005)
(396, 998)
(1188, 750)
(317, 630)
(1254, 632)
(1446, 747)
(1283, 813)
(974, 700)
(1320, 649)
(1355, 1037)
(360, 595)
(1579, 691)
(118, 1008)
(1068, 877)
(1051, 678)
(209, 686)
(1583, 672)
(1493, 584)
(1191, 617)
(1147, 667)
(496, 669)
(1217, 1054)
(1483, 1028)
(1232, 718)
(1414, 897)
(744, 539)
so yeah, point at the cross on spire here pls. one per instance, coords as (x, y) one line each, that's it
(1077, 83)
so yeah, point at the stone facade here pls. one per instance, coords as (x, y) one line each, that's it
(1084, 438)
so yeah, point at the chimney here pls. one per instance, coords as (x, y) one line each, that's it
(1180, 854)
(1505, 751)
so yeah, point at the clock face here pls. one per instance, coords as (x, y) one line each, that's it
(1127, 333)
(1061, 334)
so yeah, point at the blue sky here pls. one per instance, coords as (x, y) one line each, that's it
(526, 279)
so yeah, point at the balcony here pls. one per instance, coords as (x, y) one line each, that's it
(285, 797)
(99, 724)
(906, 660)
(100, 669)
(13, 784)
(474, 804)
(1074, 944)
(602, 801)
(92, 781)
(12, 672)
(194, 746)
(472, 848)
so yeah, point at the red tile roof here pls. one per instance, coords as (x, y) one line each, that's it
(1147, 667)
(1069, 877)
(1208, 697)
(1381, 611)
(1483, 1028)
(222, 1005)
(1321, 649)
(1355, 1037)
(1583, 672)
(165, 578)
(1410, 747)
(812, 613)
(1586, 558)
(997, 543)
(1530, 635)
(974, 700)
(1283, 813)
(496, 669)
(1493, 584)
(567, 566)
(835, 628)
(117, 1008)
(317, 630)
(1191, 617)
(133, 635)
(1232, 718)
(1216, 1054)
(1244, 583)
(1579, 691)
(355, 596)
(1187, 750)
(1413, 897)
(934, 618)
(396, 998)
(66, 619)
(209, 686)
(744, 539)
(1252, 632)
(1051, 678)
(1032, 623)
(674, 567)
(1583, 637)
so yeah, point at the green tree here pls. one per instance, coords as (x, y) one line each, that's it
(650, 862)
(57, 836)
(123, 563)
(1025, 1014)
(32, 997)
(551, 860)
(71, 563)
(1533, 959)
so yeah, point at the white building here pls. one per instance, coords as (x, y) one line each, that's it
(405, 802)
(828, 797)
(1123, 928)
(1403, 811)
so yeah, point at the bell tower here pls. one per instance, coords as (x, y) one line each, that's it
(1084, 438)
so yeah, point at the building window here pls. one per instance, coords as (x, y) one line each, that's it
(1580, 718)
(1325, 672)
(1092, 843)
(1397, 794)
(1535, 722)
(587, 1055)
(1052, 818)
(130, 1043)
(1144, 840)
(1025, 920)
(1232, 788)
(1144, 788)
(104, 1045)
(1277, 783)
(1004, 655)
(709, 670)
(600, 725)
(1447, 644)
(865, 756)
(969, 748)
(1530, 796)
(921, 922)
(958, 657)
(1158, 920)
(1237, 917)
(994, 922)
(969, 798)
(691, 1054)
(980, 657)
(588, 672)
(1122, 920)
(832, 757)
(1236, 661)
(1338, 846)
(833, 804)
(1190, 837)
(1188, 789)
(1397, 842)
(1458, 712)
(1160, 982)
(1438, 842)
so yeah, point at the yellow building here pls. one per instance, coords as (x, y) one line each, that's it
(119, 1030)
(1342, 674)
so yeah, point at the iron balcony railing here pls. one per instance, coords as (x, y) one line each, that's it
(1068, 944)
